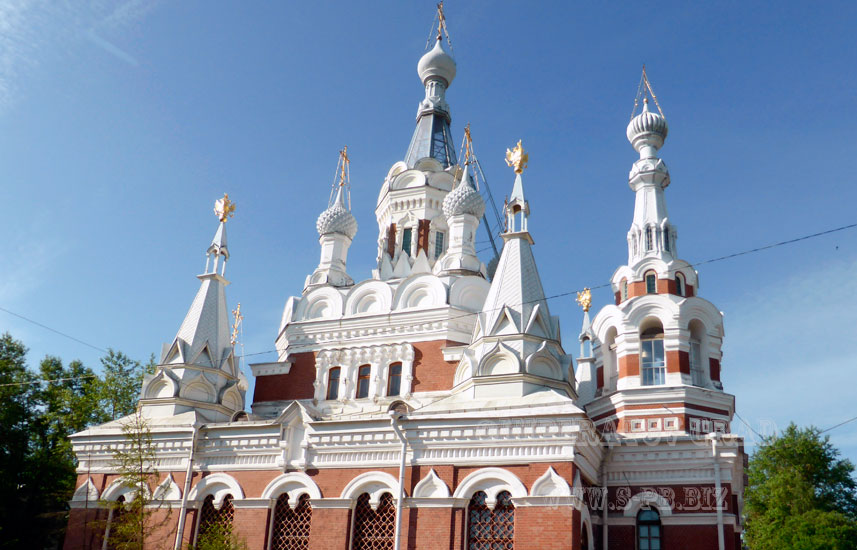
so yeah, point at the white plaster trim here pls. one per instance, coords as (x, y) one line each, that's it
(86, 492)
(374, 483)
(550, 484)
(168, 489)
(119, 488)
(268, 369)
(647, 498)
(346, 503)
(219, 485)
(295, 484)
(546, 501)
(432, 502)
(491, 481)
(251, 503)
(586, 523)
(431, 486)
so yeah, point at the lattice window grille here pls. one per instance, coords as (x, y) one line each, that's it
(291, 527)
(210, 517)
(491, 529)
(374, 529)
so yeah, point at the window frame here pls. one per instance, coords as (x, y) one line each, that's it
(363, 379)
(653, 277)
(653, 372)
(680, 284)
(439, 242)
(407, 238)
(390, 377)
(649, 524)
(331, 388)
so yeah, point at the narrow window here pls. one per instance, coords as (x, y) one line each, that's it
(679, 284)
(114, 517)
(624, 286)
(215, 526)
(488, 528)
(648, 530)
(290, 529)
(438, 244)
(406, 240)
(363, 381)
(652, 357)
(696, 362)
(374, 529)
(649, 242)
(394, 384)
(651, 283)
(667, 234)
(333, 383)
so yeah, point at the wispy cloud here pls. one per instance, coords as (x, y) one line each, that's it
(790, 355)
(33, 30)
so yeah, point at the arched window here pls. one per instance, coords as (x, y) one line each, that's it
(406, 240)
(394, 379)
(611, 370)
(363, 374)
(679, 284)
(652, 356)
(697, 337)
(215, 525)
(333, 383)
(374, 529)
(648, 530)
(290, 528)
(623, 289)
(649, 241)
(584, 537)
(651, 283)
(438, 244)
(486, 528)
(667, 238)
(114, 519)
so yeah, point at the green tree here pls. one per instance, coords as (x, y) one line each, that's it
(18, 397)
(800, 495)
(122, 380)
(219, 537)
(135, 522)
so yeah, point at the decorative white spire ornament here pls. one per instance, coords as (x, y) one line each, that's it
(336, 228)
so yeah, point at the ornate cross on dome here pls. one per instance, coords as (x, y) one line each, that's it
(236, 325)
(224, 208)
(344, 165)
(517, 158)
(642, 88)
(584, 299)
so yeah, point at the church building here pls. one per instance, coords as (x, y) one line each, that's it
(433, 405)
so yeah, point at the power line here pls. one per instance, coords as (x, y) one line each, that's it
(554, 296)
(46, 327)
(44, 381)
(840, 424)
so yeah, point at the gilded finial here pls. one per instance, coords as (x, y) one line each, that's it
(236, 313)
(344, 166)
(584, 299)
(224, 208)
(517, 158)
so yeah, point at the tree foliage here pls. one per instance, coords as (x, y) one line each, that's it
(134, 523)
(219, 537)
(37, 464)
(800, 495)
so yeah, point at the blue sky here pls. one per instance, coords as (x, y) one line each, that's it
(121, 122)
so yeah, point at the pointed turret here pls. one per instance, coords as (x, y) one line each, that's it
(432, 137)
(198, 370)
(463, 207)
(658, 348)
(336, 229)
(516, 347)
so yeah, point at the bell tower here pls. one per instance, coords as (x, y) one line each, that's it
(657, 350)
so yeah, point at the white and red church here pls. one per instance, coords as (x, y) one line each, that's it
(432, 406)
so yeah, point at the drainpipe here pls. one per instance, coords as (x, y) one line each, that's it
(187, 482)
(716, 454)
(604, 526)
(395, 416)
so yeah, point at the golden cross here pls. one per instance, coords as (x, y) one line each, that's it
(441, 20)
(584, 299)
(517, 158)
(238, 318)
(468, 144)
(224, 208)
(346, 162)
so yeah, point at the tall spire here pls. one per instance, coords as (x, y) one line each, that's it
(336, 228)
(650, 235)
(198, 368)
(432, 136)
(517, 207)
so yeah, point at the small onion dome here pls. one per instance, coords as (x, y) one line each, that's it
(337, 219)
(647, 129)
(464, 199)
(436, 63)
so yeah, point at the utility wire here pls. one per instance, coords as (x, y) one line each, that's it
(43, 381)
(560, 295)
(840, 424)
